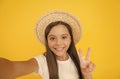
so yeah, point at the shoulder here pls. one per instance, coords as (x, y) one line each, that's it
(42, 64)
(40, 57)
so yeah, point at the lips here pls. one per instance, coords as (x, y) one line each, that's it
(59, 49)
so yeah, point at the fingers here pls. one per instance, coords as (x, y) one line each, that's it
(88, 54)
(80, 55)
(89, 68)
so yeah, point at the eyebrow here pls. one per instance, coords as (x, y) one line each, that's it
(54, 35)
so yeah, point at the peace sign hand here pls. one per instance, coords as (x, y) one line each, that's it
(86, 65)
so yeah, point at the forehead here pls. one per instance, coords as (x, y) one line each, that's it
(58, 29)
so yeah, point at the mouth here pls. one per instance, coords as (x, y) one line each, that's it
(59, 49)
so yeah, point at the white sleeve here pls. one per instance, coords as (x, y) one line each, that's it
(41, 60)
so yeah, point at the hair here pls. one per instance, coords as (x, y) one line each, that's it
(51, 59)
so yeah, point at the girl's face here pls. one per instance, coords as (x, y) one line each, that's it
(59, 41)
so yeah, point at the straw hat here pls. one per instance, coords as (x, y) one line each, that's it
(57, 15)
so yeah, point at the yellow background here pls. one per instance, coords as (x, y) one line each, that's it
(100, 24)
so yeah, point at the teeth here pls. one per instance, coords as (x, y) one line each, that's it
(58, 49)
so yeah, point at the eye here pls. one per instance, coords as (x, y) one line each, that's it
(64, 37)
(52, 38)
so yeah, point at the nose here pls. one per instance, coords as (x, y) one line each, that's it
(58, 42)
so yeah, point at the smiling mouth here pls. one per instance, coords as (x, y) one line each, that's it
(59, 49)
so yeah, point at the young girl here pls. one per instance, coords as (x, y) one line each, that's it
(59, 31)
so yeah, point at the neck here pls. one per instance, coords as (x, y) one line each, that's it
(63, 58)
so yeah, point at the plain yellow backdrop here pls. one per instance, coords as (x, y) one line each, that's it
(100, 21)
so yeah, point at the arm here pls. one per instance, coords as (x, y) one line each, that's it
(11, 69)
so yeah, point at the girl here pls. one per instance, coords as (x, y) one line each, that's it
(59, 31)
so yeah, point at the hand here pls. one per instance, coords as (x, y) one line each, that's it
(86, 65)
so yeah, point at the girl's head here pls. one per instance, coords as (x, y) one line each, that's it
(59, 38)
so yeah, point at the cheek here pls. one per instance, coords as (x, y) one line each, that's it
(68, 42)
(50, 45)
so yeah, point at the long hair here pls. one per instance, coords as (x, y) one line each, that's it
(51, 60)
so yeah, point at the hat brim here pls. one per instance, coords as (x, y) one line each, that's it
(58, 15)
